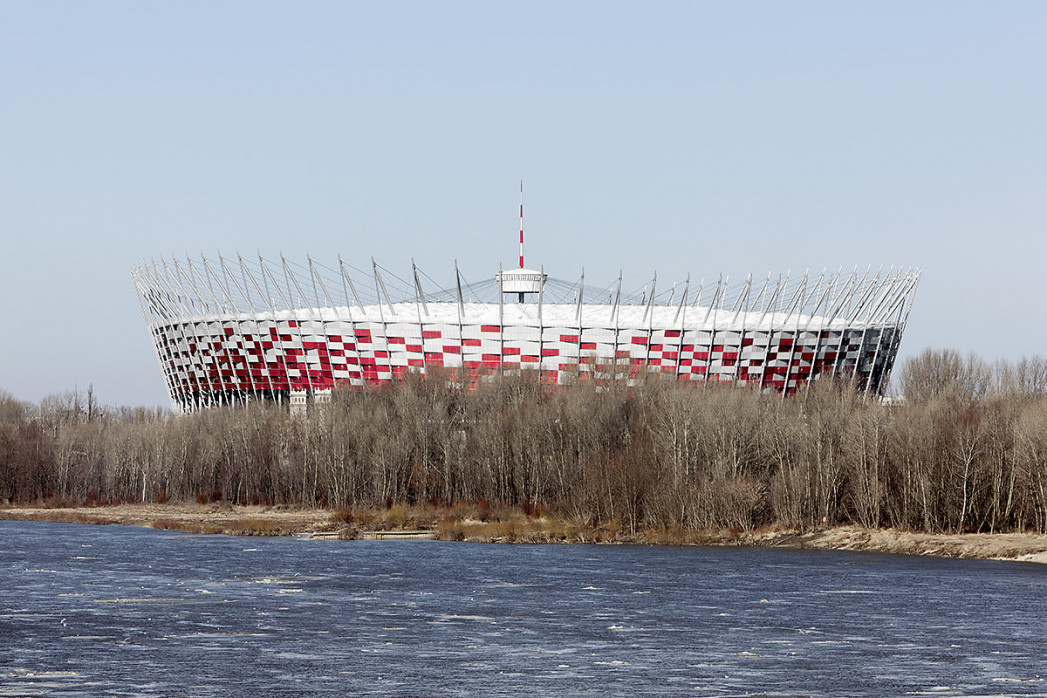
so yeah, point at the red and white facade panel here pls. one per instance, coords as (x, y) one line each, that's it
(222, 358)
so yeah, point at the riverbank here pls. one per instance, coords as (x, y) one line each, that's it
(469, 523)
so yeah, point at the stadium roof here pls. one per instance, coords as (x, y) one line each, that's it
(174, 287)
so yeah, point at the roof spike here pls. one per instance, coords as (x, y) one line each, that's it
(380, 284)
(683, 298)
(349, 281)
(650, 299)
(458, 285)
(581, 294)
(617, 296)
(418, 288)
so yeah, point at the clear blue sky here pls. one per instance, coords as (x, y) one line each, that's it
(673, 137)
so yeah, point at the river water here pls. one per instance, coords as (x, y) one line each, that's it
(109, 610)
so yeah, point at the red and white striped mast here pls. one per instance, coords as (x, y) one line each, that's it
(521, 224)
(521, 281)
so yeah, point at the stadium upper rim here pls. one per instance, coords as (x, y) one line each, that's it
(172, 289)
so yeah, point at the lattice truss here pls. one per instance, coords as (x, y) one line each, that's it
(226, 331)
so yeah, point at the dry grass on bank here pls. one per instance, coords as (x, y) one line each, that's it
(56, 516)
(485, 522)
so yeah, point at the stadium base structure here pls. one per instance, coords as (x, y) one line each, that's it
(230, 331)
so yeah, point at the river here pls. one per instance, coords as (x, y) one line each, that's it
(124, 611)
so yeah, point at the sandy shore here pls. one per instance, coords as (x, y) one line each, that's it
(1023, 547)
(319, 523)
(199, 518)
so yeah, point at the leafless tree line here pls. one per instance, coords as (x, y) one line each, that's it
(966, 450)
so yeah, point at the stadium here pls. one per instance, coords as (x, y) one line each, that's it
(227, 331)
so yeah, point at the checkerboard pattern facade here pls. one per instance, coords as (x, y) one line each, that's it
(208, 362)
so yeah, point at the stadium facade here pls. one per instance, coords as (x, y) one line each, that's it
(231, 330)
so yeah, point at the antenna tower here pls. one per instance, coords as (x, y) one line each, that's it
(521, 224)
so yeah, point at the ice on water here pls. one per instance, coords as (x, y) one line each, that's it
(461, 619)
